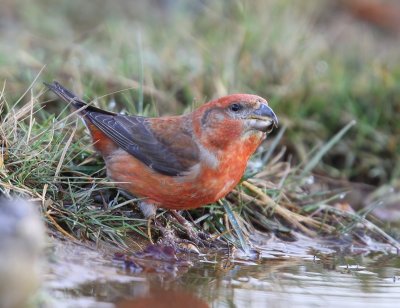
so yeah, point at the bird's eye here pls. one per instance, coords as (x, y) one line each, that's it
(235, 107)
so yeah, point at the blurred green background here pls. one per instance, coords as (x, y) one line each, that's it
(320, 63)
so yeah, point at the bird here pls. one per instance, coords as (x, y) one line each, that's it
(177, 162)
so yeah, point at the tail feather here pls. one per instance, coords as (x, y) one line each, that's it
(65, 94)
(71, 98)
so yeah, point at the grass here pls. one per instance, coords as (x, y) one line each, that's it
(317, 77)
(51, 163)
(307, 68)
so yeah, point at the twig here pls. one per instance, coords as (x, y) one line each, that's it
(58, 227)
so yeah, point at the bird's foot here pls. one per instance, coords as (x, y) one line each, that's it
(169, 238)
(189, 240)
(199, 238)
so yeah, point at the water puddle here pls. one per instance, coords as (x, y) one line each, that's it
(300, 274)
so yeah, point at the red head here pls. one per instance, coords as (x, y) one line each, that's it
(233, 118)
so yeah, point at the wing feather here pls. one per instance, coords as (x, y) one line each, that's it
(163, 144)
(134, 134)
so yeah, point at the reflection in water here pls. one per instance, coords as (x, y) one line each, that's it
(289, 274)
(162, 299)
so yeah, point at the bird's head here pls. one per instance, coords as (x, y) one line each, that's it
(234, 118)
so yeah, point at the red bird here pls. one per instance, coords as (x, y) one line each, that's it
(178, 162)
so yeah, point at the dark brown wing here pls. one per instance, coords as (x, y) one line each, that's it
(135, 135)
(169, 156)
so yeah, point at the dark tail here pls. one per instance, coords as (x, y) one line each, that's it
(65, 94)
(71, 98)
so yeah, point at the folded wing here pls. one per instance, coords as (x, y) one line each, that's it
(135, 135)
(165, 146)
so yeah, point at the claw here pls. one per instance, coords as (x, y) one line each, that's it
(169, 238)
(199, 238)
(194, 239)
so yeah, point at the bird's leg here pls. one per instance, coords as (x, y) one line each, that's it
(148, 210)
(200, 238)
(168, 235)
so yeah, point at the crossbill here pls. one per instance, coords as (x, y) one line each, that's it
(178, 162)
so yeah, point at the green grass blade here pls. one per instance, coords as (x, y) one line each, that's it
(324, 149)
(236, 227)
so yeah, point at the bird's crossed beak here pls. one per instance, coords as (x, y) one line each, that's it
(265, 118)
